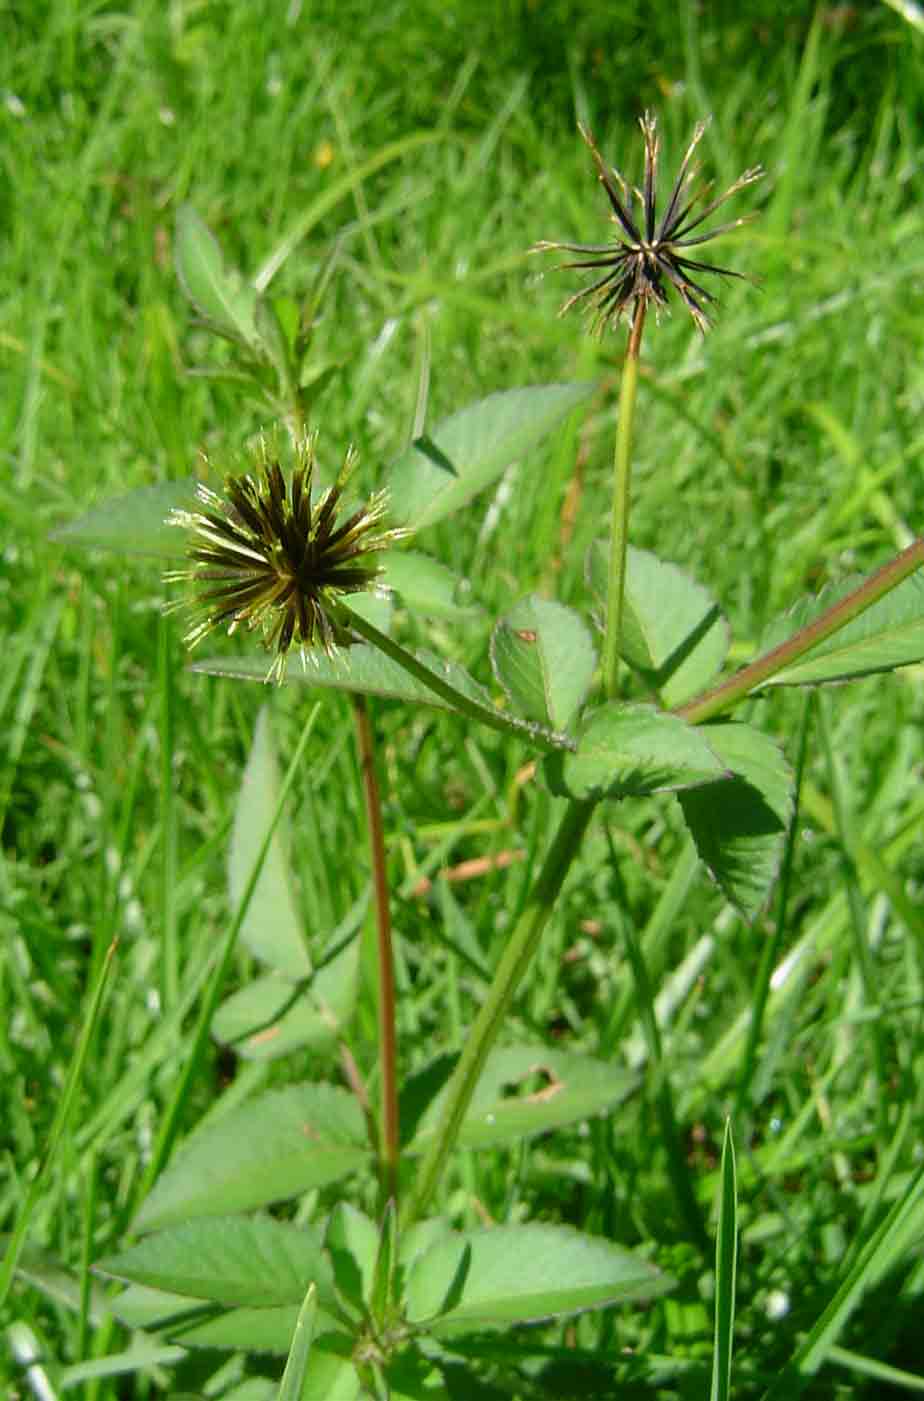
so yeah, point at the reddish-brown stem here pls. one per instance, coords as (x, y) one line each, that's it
(885, 579)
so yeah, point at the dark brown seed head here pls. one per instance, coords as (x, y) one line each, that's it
(650, 254)
(265, 555)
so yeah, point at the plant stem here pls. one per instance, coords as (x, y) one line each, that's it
(513, 964)
(619, 525)
(388, 1059)
(749, 678)
(459, 701)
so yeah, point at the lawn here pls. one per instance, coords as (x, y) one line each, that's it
(392, 165)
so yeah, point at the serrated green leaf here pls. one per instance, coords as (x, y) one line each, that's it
(220, 295)
(230, 1260)
(136, 523)
(526, 1090)
(480, 1279)
(271, 1016)
(351, 1242)
(276, 1145)
(889, 634)
(674, 633)
(543, 657)
(427, 586)
(739, 825)
(632, 750)
(443, 470)
(272, 927)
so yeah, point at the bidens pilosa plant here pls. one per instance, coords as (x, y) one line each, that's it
(392, 1299)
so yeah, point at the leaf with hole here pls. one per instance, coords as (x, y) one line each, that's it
(527, 1090)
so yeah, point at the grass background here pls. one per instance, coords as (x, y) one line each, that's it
(783, 451)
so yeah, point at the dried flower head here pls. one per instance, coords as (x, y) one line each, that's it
(267, 556)
(639, 266)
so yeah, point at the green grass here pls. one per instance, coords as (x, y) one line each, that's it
(783, 451)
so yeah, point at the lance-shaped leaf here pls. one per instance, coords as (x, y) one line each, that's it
(219, 294)
(543, 657)
(739, 825)
(445, 468)
(515, 1274)
(229, 1260)
(631, 750)
(673, 632)
(276, 1145)
(523, 1090)
(889, 634)
(272, 927)
(135, 523)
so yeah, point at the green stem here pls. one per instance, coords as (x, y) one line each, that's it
(513, 964)
(388, 1057)
(619, 525)
(457, 700)
(751, 677)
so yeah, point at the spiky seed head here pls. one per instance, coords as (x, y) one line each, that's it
(649, 255)
(264, 554)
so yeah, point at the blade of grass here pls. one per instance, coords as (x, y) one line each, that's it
(726, 1260)
(59, 1124)
(170, 1124)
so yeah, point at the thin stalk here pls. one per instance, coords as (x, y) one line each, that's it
(619, 523)
(66, 1101)
(388, 1057)
(888, 577)
(513, 964)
